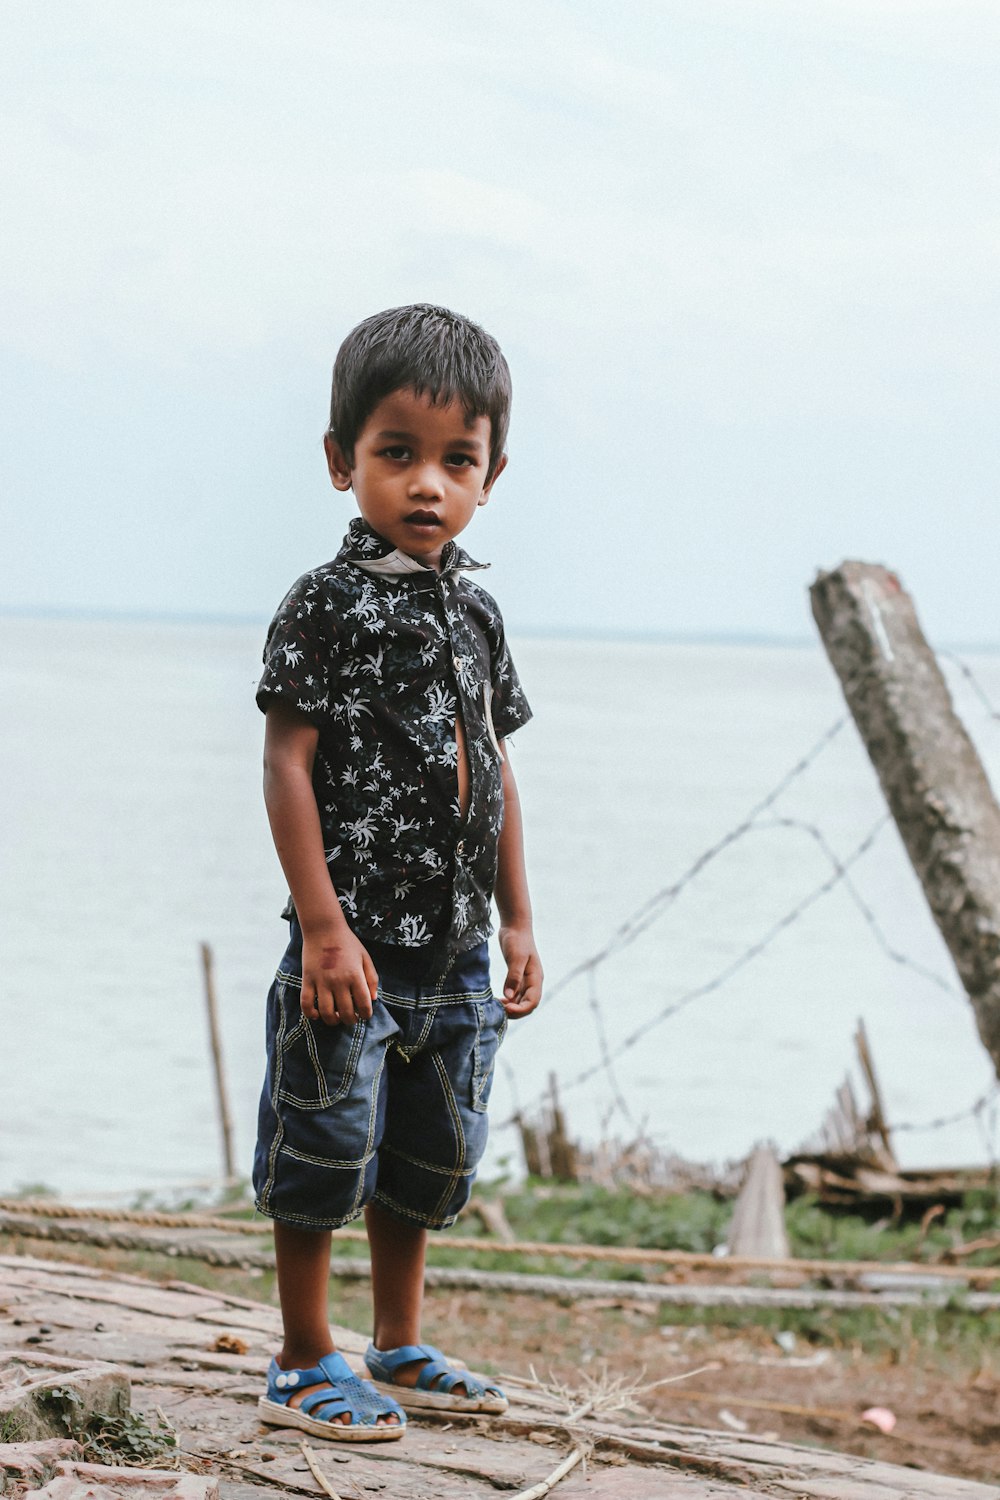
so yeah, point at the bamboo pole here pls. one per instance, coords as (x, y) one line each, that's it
(215, 1038)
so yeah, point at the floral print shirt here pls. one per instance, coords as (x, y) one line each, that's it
(382, 654)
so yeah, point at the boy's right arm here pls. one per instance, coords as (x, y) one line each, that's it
(339, 982)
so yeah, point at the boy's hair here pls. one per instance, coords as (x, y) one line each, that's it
(425, 349)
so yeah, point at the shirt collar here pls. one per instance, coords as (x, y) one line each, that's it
(370, 551)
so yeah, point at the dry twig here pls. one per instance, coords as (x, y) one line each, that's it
(538, 1491)
(317, 1472)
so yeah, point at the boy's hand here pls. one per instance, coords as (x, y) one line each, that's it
(339, 982)
(523, 986)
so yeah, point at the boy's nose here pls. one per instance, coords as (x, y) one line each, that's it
(427, 480)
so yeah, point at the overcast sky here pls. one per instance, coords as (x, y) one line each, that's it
(742, 258)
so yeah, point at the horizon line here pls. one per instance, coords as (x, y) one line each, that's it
(652, 636)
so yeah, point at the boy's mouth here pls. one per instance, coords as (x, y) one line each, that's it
(422, 518)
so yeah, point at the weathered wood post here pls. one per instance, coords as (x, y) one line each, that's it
(215, 1041)
(930, 772)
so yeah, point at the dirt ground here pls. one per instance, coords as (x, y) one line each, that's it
(947, 1419)
(812, 1395)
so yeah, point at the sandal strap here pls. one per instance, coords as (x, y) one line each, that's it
(348, 1393)
(438, 1374)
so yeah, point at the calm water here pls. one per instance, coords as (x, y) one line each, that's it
(133, 829)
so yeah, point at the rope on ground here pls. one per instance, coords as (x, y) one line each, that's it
(17, 1212)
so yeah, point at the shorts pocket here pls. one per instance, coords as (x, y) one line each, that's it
(492, 1025)
(316, 1063)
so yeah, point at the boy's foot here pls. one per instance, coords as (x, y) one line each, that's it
(423, 1379)
(331, 1402)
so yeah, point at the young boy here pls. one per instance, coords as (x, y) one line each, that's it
(389, 691)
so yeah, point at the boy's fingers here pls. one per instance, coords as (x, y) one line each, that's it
(326, 1005)
(343, 999)
(371, 977)
(515, 975)
(310, 1001)
(361, 997)
(523, 1000)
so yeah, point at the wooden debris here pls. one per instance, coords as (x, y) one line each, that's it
(491, 1211)
(848, 1134)
(876, 1125)
(757, 1227)
(548, 1150)
(844, 1181)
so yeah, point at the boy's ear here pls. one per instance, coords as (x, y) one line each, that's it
(496, 475)
(336, 462)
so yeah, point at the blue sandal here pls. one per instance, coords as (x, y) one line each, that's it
(319, 1411)
(437, 1383)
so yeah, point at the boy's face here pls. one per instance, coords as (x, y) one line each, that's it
(419, 472)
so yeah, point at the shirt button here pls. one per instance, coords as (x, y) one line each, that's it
(456, 662)
(460, 847)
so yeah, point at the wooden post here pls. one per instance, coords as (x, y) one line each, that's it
(225, 1118)
(930, 772)
(757, 1227)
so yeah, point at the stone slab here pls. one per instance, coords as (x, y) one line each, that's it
(29, 1402)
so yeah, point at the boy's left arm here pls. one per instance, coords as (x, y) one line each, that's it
(523, 986)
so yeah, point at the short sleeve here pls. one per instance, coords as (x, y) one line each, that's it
(510, 706)
(298, 653)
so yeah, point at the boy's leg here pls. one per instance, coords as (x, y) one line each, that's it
(302, 1257)
(398, 1252)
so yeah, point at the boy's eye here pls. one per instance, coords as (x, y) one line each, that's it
(461, 460)
(396, 450)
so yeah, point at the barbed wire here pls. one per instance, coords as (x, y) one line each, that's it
(878, 932)
(972, 680)
(974, 1111)
(652, 908)
(656, 905)
(754, 950)
(607, 1063)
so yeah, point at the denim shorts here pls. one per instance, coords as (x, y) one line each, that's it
(391, 1110)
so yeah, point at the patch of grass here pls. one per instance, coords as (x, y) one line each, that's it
(590, 1215)
(10, 1428)
(950, 1337)
(127, 1438)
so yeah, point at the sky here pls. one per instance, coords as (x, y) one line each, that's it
(742, 258)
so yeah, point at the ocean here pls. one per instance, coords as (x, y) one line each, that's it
(133, 830)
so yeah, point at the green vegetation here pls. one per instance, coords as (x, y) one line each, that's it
(10, 1428)
(127, 1438)
(698, 1222)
